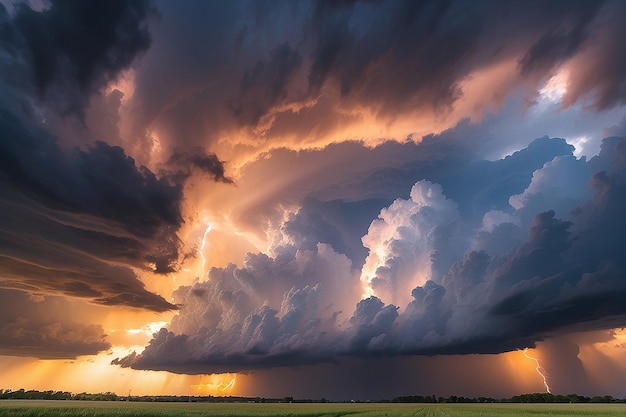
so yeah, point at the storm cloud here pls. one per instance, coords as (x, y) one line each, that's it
(72, 50)
(44, 330)
(332, 66)
(325, 183)
(80, 221)
(433, 291)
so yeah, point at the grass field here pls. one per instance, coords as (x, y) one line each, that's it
(36, 408)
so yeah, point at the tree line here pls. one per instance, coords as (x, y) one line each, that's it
(22, 394)
(541, 397)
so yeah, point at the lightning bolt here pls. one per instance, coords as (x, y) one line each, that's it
(209, 227)
(229, 385)
(539, 369)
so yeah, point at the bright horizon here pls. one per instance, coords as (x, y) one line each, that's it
(347, 200)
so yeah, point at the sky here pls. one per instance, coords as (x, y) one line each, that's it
(317, 199)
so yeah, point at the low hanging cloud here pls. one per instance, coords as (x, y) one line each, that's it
(84, 221)
(561, 274)
(269, 312)
(45, 331)
(73, 224)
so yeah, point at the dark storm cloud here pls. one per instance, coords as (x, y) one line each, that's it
(315, 67)
(79, 221)
(101, 181)
(600, 70)
(50, 249)
(564, 39)
(72, 49)
(405, 53)
(418, 44)
(181, 163)
(185, 98)
(67, 215)
(71, 218)
(265, 84)
(124, 192)
(43, 331)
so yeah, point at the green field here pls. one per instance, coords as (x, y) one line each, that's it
(35, 408)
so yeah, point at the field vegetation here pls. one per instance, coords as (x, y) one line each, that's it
(51, 408)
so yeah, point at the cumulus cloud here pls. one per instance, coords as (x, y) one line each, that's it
(554, 277)
(560, 185)
(411, 242)
(270, 311)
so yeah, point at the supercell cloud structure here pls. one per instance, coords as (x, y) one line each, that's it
(499, 286)
(370, 179)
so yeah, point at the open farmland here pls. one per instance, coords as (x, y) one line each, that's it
(24, 408)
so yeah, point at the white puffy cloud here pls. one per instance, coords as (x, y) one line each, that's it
(411, 242)
(560, 185)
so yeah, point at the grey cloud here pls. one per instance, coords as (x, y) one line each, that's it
(409, 48)
(42, 332)
(344, 186)
(288, 67)
(372, 321)
(181, 163)
(73, 49)
(566, 276)
(466, 177)
(599, 74)
(563, 40)
(618, 129)
(338, 223)
(269, 312)
(265, 84)
(560, 185)
(51, 340)
(175, 97)
(430, 46)
(67, 214)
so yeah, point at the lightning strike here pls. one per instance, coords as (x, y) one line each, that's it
(218, 383)
(209, 227)
(539, 369)
(228, 386)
